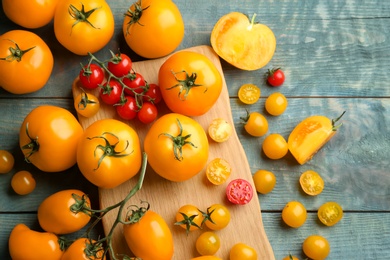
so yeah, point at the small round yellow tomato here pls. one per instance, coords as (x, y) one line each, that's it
(208, 243)
(189, 217)
(290, 257)
(255, 124)
(294, 214)
(84, 248)
(265, 181)
(249, 94)
(330, 213)
(86, 104)
(220, 130)
(276, 104)
(23, 182)
(241, 251)
(218, 171)
(218, 217)
(311, 183)
(316, 247)
(7, 161)
(275, 146)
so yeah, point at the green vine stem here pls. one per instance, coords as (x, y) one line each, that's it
(99, 214)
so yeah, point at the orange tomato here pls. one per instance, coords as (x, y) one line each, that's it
(241, 251)
(84, 249)
(23, 183)
(148, 235)
(177, 147)
(60, 212)
(242, 42)
(83, 27)
(190, 83)
(7, 161)
(310, 135)
(26, 62)
(24, 243)
(109, 153)
(48, 138)
(30, 14)
(153, 28)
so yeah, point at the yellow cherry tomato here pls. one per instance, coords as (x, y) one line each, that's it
(208, 243)
(249, 94)
(290, 257)
(86, 104)
(276, 104)
(218, 217)
(275, 146)
(23, 182)
(218, 171)
(241, 251)
(7, 161)
(255, 124)
(311, 182)
(220, 130)
(189, 217)
(265, 181)
(330, 213)
(294, 214)
(316, 247)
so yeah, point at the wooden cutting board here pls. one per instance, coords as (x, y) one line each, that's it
(167, 197)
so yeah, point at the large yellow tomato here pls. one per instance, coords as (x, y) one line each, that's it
(30, 14)
(26, 62)
(153, 28)
(190, 83)
(24, 243)
(83, 26)
(177, 147)
(48, 138)
(109, 153)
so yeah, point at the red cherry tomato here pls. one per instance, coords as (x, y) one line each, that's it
(111, 92)
(153, 93)
(239, 191)
(136, 82)
(91, 76)
(120, 65)
(147, 113)
(275, 77)
(129, 109)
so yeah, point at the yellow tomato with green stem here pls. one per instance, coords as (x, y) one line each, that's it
(30, 14)
(48, 138)
(26, 62)
(85, 26)
(189, 217)
(84, 249)
(255, 124)
(190, 83)
(177, 147)
(153, 28)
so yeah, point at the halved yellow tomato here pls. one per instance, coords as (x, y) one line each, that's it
(218, 171)
(330, 213)
(242, 42)
(310, 135)
(311, 182)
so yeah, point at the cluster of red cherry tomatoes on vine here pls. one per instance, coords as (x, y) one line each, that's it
(122, 87)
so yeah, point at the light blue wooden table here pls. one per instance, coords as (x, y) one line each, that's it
(336, 56)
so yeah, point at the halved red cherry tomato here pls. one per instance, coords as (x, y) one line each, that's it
(249, 94)
(330, 213)
(127, 110)
(91, 76)
(23, 182)
(147, 113)
(311, 182)
(120, 65)
(275, 77)
(239, 191)
(111, 92)
(218, 171)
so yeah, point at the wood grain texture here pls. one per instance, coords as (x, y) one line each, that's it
(166, 197)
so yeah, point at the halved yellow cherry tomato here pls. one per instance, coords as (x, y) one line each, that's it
(23, 182)
(310, 135)
(276, 104)
(242, 42)
(311, 182)
(220, 130)
(255, 124)
(294, 214)
(316, 247)
(330, 213)
(218, 171)
(275, 146)
(208, 243)
(265, 181)
(249, 94)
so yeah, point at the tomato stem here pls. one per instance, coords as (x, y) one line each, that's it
(81, 15)
(252, 22)
(334, 121)
(33, 145)
(135, 15)
(185, 84)
(16, 53)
